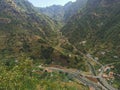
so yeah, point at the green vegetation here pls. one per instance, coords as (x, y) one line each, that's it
(24, 75)
(116, 82)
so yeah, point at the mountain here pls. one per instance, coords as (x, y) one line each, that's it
(63, 13)
(56, 12)
(19, 13)
(96, 24)
(23, 30)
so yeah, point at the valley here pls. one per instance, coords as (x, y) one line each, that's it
(70, 47)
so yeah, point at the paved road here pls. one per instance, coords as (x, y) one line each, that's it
(101, 80)
(81, 78)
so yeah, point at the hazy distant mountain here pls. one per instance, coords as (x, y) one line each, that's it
(56, 12)
(63, 13)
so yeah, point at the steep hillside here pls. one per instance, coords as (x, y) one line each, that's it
(97, 25)
(63, 13)
(23, 30)
(19, 13)
(72, 8)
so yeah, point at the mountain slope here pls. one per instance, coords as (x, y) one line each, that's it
(72, 8)
(23, 30)
(97, 25)
(20, 16)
